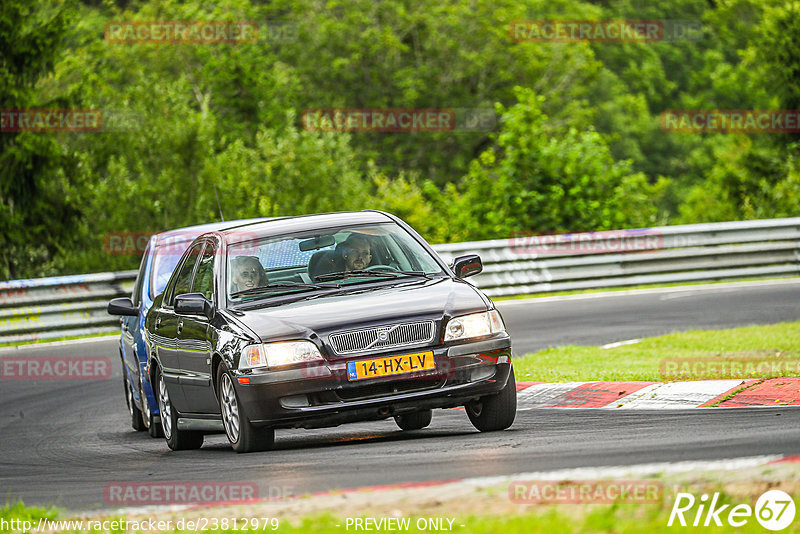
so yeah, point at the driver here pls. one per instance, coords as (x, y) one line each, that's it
(355, 251)
(247, 273)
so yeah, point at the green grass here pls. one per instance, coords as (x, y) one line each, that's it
(629, 288)
(21, 512)
(642, 361)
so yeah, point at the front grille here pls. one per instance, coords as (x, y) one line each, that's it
(382, 337)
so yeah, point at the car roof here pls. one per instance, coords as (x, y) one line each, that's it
(300, 223)
(189, 233)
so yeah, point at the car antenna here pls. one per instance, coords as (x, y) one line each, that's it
(218, 204)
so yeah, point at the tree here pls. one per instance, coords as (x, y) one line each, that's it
(755, 176)
(542, 178)
(40, 196)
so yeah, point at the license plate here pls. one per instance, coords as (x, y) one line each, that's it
(391, 365)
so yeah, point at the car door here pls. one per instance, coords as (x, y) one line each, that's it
(165, 327)
(194, 342)
(130, 328)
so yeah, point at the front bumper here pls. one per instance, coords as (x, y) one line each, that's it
(321, 395)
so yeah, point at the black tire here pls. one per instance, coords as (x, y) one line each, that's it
(176, 439)
(495, 412)
(136, 415)
(414, 421)
(150, 420)
(243, 436)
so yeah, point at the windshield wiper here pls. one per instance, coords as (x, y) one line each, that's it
(282, 285)
(367, 273)
(358, 273)
(420, 273)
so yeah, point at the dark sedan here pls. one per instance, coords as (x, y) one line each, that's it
(320, 320)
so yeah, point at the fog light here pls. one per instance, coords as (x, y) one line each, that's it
(295, 401)
(481, 373)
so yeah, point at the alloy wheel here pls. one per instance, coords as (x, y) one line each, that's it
(164, 407)
(146, 415)
(475, 408)
(129, 396)
(230, 408)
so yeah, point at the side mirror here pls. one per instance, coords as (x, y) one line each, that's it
(193, 304)
(122, 306)
(468, 265)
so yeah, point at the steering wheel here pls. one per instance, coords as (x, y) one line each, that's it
(380, 267)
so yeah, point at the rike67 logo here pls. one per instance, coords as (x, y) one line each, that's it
(774, 510)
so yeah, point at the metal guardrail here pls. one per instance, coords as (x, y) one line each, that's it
(687, 253)
(47, 308)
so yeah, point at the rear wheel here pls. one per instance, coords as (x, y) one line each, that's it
(414, 421)
(136, 415)
(495, 412)
(244, 437)
(176, 439)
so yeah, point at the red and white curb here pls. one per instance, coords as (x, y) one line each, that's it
(659, 395)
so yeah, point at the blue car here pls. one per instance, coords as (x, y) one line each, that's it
(159, 260)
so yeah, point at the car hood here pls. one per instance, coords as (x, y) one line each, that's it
(318, 317)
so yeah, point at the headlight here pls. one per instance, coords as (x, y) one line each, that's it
(474, 325)
(278, 354)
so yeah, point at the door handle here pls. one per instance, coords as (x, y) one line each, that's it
(180, 327)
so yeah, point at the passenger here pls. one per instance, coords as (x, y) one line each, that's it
(247, 273)
(355, 251)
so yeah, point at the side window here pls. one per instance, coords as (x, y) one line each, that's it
(136, 297)
(204, 279)
(183, 281)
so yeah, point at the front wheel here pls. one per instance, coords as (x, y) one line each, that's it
(414, 421)
(495, 412)
(244, 437)
(176, 439)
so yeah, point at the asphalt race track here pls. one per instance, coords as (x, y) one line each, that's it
(63, 442)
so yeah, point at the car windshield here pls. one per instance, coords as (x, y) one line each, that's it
(324, 260)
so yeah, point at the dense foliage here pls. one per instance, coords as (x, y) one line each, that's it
(576, 145)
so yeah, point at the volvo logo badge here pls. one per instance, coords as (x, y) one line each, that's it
(383, 335)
